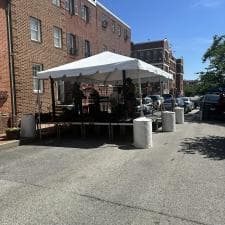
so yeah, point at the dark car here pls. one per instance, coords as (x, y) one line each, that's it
(169, 102)
(167, 96)
(209, 106)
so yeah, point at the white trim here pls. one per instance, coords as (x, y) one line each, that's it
(93, 2)
(110, 12)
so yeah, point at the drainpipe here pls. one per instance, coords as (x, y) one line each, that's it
(11, 59)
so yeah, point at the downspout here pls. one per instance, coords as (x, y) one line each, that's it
(11, 60)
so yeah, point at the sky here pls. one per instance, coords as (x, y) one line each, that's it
(189, 25)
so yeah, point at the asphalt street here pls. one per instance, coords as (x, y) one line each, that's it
(180, 181)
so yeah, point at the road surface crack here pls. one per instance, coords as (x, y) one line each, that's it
(94, 198)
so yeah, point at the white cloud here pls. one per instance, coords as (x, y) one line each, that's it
(207, 3)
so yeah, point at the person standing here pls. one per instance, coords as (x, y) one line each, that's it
(77, 99)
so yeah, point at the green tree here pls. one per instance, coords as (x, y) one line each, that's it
(215, 74)
(216, 55)
(191, 90)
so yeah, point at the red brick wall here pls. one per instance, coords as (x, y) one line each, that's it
(4, 59)
(4, 123)
(94, 32)
(110, 39)
(27, 52)
(82, 30)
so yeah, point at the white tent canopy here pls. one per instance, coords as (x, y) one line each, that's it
(106, 67)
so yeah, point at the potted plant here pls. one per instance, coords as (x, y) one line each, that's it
(12, 133)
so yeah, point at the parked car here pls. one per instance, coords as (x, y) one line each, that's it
(209, 106)
(195, 101)
(180, 103)
(157, 101)
(167, 96)
(189, 104)
(169, 104)
(147, 105)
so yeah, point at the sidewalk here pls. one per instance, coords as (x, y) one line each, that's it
(4, 143)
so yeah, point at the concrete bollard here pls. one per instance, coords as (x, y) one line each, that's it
(179, 112)
(142, 129)
(168, 121)
(28, 126)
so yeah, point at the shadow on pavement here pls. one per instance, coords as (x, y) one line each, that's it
(70, 143)
(84, 143)
(192, 117)
(211, 147)
(71, 138)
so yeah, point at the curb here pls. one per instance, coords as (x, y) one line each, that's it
(10, 144)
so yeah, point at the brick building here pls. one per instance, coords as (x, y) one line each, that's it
(41, 34)
(159, 53)
(180, 76)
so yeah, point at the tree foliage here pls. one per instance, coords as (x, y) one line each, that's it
(215, 74)
(191, 90)
(216, 55)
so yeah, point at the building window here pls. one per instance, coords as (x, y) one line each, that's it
(125, 35)
(35, 29)
(104, 21)
(141, 54)
(119, 30)
(71, 6)
(154, 55)
(160, 55)
(87, 48)
(138, 54)
(75, 3)
(37, 87)
(71, 44)
(56, 2)
(113, 27)
(67, 5)
(85, 13)
(57, 32)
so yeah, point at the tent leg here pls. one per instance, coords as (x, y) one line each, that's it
(53, 98)
(140, 95)
(124, 86)
(39, 110)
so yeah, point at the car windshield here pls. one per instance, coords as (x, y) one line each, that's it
(212, 98)
(167, 96)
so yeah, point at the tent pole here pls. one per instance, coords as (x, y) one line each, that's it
(140, 95)
(53, 98)
(124, 87)
(39, 109)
